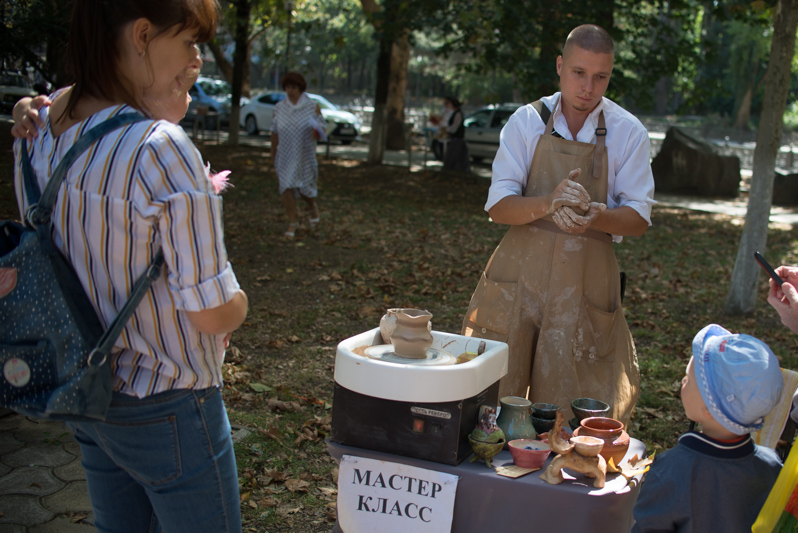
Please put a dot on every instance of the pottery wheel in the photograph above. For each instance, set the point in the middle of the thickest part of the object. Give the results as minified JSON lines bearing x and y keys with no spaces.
{"x":385,"y":352}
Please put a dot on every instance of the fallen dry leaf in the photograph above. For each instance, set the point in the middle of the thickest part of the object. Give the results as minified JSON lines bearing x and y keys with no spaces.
{"x":295,"y":485}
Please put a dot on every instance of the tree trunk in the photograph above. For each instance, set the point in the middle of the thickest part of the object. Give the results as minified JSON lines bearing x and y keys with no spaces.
{"x":397,"y":88}
{"x":379,"y":126}
{"x":240,"y":61}
{"x":227,"y":68}
{"x":743,"y":291}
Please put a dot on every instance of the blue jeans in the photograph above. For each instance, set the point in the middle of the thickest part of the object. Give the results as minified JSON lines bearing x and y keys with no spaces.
{"x":164,"y":461}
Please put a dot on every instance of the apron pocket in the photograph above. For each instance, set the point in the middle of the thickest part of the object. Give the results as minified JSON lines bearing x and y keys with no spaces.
{"x":491,"y":308}
{"x":596,"y":333}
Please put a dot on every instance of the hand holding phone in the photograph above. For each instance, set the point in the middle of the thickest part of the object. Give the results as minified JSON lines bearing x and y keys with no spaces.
{"x":764,"y":264}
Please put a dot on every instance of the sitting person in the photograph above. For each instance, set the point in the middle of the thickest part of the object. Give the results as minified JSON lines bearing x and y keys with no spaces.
{"x":716,"y":479}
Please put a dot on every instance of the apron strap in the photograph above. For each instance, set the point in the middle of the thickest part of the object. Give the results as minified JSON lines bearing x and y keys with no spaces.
{"x":598,"y":154}
{"x":601,"y":133}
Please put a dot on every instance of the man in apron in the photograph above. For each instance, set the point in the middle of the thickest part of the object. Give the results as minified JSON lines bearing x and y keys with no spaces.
{"x":568,"y":186}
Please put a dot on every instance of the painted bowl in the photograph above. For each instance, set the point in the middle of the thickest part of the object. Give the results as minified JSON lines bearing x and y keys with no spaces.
{"x":546,"y":411}
{"x":529,"y":453}
{"x":542,"y":425}
{"x":588,"y":407}
{"x":588,"y":446}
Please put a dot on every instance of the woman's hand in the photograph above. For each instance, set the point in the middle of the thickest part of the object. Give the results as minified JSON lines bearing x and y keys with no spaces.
{"x":27,"y":121}
{"x":784,"y":299}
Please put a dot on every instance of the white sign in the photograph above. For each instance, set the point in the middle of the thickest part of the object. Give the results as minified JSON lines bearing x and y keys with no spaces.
{"x":378,"y":496}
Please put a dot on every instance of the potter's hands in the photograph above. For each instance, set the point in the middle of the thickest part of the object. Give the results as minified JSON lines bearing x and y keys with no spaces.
{"x":784,"y":299}
{"x":569,"y":193}
{"x":27,"y":121}
{"x":568,"y":221}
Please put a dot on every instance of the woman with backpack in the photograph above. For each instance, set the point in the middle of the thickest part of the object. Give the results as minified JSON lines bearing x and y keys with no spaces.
{"x":163,"y":458}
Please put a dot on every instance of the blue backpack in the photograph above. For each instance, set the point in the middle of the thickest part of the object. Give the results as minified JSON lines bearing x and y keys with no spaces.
{"x":53,"y":347}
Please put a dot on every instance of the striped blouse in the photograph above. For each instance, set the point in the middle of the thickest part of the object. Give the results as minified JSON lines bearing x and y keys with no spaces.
{"x":140,"y":187}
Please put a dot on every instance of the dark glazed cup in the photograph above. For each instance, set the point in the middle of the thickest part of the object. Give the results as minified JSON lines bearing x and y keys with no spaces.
{"x":546,"y":411}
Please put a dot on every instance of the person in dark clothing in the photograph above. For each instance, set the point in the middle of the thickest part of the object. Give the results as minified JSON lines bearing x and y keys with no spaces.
{"x":455,"y":156}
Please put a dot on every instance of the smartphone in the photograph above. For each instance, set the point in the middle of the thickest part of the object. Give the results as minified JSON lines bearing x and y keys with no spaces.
{"x":764,"y":264}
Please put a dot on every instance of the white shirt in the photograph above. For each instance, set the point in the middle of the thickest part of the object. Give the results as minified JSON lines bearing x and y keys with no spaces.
{"x":630,"y":181}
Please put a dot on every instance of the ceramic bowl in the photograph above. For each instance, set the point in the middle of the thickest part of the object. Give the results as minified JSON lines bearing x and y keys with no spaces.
{"x":588,"y":407}
{"x":485,"y":451}
{"x":528,"y":453}
{"x":542,"y":425}
{"x":546,"y":411}
{"x":588,"y":446}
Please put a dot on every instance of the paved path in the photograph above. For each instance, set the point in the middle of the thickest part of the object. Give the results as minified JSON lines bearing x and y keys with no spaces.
{"x":42,"y":483}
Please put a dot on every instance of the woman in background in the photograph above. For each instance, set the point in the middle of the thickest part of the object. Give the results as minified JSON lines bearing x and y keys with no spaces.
{"x":455,"y":155}
{"x":294,"y":132}
{"x":163,"y":459}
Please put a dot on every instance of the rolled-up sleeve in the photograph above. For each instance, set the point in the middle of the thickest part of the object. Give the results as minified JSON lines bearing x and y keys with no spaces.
{"x":634,"y":182}
{"x":189,"y":220}
{"x":517,"y":143}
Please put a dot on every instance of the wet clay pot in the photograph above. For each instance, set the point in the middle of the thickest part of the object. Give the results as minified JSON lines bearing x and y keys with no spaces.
{"x":616,"y":440}
{"x":514,"y":418}
{"x":411,"y":335}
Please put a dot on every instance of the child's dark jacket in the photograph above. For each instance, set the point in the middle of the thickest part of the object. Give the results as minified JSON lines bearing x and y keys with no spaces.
{"x":704,"y":485}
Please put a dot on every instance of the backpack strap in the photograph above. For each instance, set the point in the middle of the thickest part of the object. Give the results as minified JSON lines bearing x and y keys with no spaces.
{"x":39,"y":214}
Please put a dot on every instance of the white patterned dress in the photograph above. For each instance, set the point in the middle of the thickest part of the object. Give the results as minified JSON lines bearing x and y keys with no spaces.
{"x":295,"y":159}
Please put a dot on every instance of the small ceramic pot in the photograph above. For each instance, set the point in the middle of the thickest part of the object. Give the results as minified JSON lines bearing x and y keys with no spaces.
{"x":541,"y":425}
{"x":413,"y":332}
{"x":514,"y":418}
{"x":485,"y":451}
{"x":388,"y":325}
{"x":546,"y":411}
{"x":587,"y":407}
{"x":609,"y":430}
{"x":529,"y":453}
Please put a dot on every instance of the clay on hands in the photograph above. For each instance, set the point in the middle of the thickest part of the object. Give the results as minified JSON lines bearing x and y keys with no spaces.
{"x":570,"y":193}
{"x":569,"y":221}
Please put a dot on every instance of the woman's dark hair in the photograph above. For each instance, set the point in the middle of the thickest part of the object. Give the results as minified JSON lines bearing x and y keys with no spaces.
{"x":294,"y":78}
{"x":454,"y":101}
{"x":93,"y":51}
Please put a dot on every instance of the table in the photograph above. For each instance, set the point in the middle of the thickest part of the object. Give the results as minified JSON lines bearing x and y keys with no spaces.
{"x":487,"y":502}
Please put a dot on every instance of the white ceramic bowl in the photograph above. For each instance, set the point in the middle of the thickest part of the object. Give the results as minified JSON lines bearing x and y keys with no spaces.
{"x":588,"y":446}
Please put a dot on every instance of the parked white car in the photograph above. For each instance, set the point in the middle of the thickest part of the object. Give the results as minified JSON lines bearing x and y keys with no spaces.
{"x":256,"y":116}
{"x":13,"y":86}
{"x":482,"y":129}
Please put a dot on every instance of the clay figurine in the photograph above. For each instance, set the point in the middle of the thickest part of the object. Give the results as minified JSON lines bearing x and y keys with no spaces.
{"x":487,"y":439}
{"x":592,"y":466}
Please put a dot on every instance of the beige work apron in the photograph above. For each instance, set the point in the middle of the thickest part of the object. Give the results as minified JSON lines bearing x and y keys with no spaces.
{"x":554,"y":298}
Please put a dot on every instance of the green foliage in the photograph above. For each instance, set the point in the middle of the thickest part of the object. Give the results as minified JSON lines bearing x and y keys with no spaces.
{"x":791,"y":117}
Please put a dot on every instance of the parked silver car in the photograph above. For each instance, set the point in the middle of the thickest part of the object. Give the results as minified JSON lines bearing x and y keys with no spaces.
{"x":482,"y":129}
{"x":257,"y":115}
{"x":213,"y":95}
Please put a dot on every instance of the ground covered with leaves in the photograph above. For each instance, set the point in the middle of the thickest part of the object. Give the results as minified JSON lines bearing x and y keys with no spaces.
{"x":391,"y":238}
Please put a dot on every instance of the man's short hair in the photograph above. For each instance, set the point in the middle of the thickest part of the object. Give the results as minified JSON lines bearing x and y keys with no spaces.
{"x":591,"y":38}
